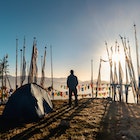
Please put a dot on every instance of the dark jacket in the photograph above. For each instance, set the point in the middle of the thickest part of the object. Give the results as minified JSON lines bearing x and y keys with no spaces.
{"x":72,"y":81}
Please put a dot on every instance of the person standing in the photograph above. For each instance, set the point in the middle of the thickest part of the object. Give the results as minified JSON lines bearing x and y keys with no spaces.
{"x":72,"y":83}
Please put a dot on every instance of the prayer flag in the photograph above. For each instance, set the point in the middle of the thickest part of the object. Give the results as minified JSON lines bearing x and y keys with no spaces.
{"x":43,"y":68}
{"x":32,"y":78}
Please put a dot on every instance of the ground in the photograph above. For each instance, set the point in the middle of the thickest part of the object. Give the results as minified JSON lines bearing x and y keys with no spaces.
{"x":92,"y":119}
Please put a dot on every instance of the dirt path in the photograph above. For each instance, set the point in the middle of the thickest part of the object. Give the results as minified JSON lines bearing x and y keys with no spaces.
{"x":93,"y":119}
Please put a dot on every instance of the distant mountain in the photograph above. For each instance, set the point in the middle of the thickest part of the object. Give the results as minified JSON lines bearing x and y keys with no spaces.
{"x":57,"y":82}
{"x":10,"y":82}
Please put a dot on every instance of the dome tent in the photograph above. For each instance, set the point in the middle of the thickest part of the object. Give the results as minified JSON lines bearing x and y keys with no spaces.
{"x":29,"y":102}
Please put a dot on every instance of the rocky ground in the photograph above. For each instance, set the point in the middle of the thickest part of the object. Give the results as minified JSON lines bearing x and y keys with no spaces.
{"x":92,"y":119}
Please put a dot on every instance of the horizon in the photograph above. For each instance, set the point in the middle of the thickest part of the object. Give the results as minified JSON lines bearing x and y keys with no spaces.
{"x":18,"y":76}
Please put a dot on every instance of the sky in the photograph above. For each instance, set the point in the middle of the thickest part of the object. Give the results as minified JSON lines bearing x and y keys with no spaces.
{"x":76,"y":30}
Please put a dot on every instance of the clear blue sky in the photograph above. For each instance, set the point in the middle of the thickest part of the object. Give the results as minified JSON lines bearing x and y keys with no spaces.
{"x":76,"y":29}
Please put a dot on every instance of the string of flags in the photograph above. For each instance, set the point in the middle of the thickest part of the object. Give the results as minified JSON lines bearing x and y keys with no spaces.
{"x":65,"y":94}
{"x":103,"y":90}
{"x":85,"y":87}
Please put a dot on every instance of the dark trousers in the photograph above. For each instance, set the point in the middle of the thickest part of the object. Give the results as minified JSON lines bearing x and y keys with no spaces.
{"x":70,"y":96}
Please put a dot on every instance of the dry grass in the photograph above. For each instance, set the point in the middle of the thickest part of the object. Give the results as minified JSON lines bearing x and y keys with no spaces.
{"x":93,"y":119}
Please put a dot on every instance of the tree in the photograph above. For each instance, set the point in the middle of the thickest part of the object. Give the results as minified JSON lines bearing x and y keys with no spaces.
{"x":3,"y":71}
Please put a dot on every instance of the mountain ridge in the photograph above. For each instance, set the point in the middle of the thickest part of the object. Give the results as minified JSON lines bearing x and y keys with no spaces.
{"x":48,"y":81}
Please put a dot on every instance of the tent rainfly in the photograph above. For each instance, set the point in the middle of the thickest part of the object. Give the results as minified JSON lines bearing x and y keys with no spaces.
{"x":29,"y":102}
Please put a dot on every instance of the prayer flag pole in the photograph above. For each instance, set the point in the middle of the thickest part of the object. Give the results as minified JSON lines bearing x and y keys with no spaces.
{"x":16,"y":86}
{"x":51,"y":71}
{"x":21,"y":67}
{"x":111,"y":73}
{"x":51,"y":67}
{"x":128,"y":60}
{"x":92,"y":78}
{"x":137,"y":55}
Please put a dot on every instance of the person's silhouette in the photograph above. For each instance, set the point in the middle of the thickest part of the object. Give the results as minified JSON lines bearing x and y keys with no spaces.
{"x":72,"y":83}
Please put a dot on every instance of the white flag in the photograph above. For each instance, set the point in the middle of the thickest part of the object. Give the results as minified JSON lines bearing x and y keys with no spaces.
{"x":43,"y":68}
{"x":23,"y":67}
{"x":33,"y":66}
